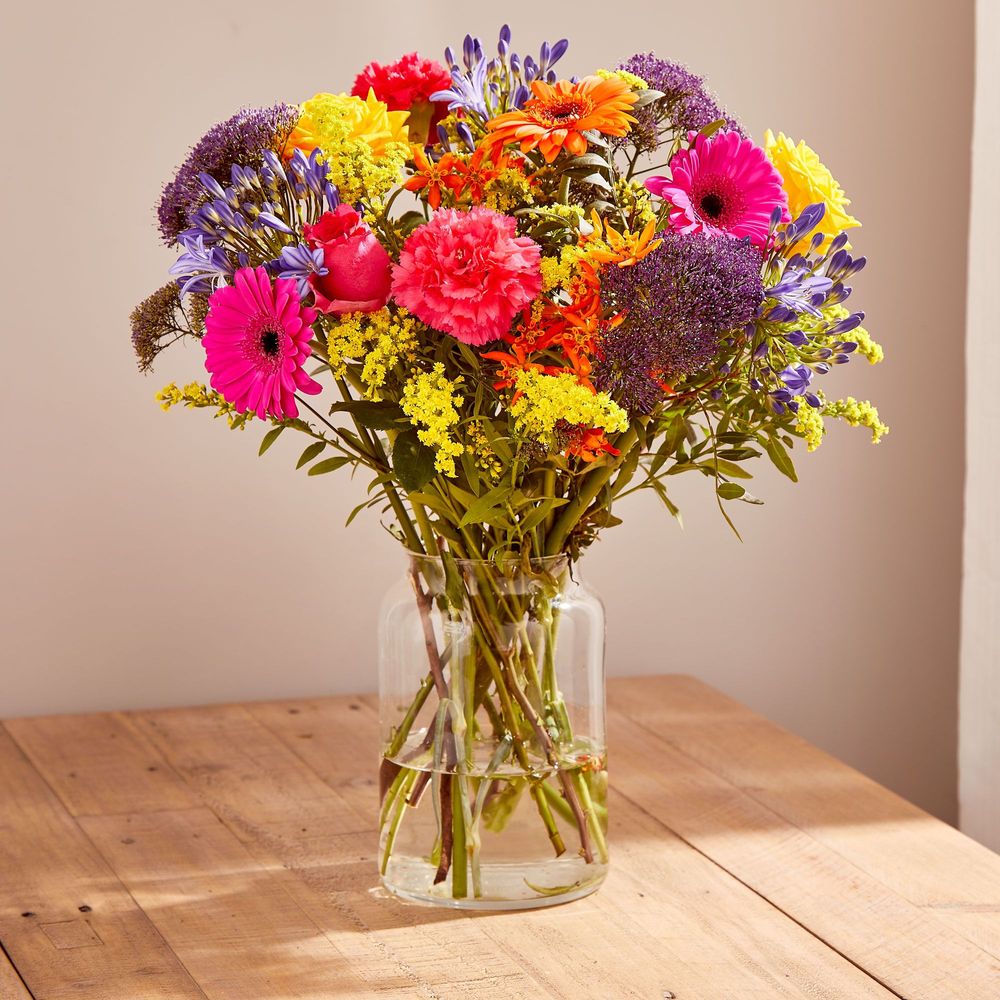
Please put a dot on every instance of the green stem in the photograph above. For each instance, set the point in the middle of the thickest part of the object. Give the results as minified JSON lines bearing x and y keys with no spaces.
{"x":592,"y":485}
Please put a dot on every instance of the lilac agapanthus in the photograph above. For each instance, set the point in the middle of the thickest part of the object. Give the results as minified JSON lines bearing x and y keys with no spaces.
{"x":684,"y":297}
{"x":202,"y":266}
{"x":253,"y":219}
{"x":800,"y":292}
{"x":241,"y":139}
{"x":299,"y":262}
{"x":479,"y":82}
{"x":686,"y":105}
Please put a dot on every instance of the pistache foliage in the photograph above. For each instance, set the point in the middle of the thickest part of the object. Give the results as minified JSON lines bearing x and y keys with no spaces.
{"x":515,"y":299}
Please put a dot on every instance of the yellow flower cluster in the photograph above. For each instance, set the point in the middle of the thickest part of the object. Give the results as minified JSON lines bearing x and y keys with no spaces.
{"x":510,"y":189}
{"x":479,"y":447}
{"x":364,"y":144}
{"x":629,"y":79}
{"x":810,"y":425}
{"x":544,"y":401}
{"x":198,"y":395}
{"x":383,"y":338}
{"x":558,"y":272}
{"x":857,"y":413}
{"x":807,"y":181}
{"x":431,"y":400}
{"x":635,"y":202}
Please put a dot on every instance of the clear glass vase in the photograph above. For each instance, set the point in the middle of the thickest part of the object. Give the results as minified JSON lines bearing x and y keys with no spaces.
{"x":493,"y":777}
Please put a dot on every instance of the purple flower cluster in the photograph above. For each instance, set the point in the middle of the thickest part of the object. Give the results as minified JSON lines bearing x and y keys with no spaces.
{"x":679,"y":302}
{"x":686,"y":103}
{"x":241,"y":139}
{"x":477,"y":84}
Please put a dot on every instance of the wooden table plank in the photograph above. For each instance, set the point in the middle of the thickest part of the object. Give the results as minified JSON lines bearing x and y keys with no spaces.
{"x":67,"y":923}
{"x":900,"y":944}
{"x":246,"y":834}
{"x":11,"y":986}
{"x":926,"y":861}
{"x":685,"y":898}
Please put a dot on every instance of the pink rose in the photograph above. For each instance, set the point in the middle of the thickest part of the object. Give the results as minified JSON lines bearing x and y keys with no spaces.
{"x":358,"y":266}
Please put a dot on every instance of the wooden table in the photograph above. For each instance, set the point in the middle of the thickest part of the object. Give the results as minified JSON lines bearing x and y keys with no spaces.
{"x":228,"y":853}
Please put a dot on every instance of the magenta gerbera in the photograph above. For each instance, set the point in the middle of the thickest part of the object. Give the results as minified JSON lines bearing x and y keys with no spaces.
{"x":256,"y":340}
{"x":722,"y":184}
{"x":468,"y":274}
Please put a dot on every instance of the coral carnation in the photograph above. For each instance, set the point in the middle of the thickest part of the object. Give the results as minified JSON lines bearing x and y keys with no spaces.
{"x":407,"y":85}
{"x":560,"y":113}
{"x":256,"y":342}
{"x":466,"y":273}
{"x":722,"y":184}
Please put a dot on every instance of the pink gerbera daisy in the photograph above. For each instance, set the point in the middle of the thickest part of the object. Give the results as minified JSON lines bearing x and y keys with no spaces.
{"x":467,"y":273}
{"x":256,"y":341}
{"x":723,"y":185}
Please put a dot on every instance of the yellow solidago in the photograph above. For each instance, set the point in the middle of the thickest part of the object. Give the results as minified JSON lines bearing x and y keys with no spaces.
{"x":508,"y":190}
{"x":542,"y":402}
{"x":633,"y":81}
{"x":857,"y":413}
{"x":364,"y":144}
{"x":807,"y":181}
{"x":558,"y":272}
{"x":382,"y":338}
{"x":431,"y":402}
{"x":479,"y":447}
{"x":809,"y":422}
{"x":197,"y":395}
{"x":635,"y":202}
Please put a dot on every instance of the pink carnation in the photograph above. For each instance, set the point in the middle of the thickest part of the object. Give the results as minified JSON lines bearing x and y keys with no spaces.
{"x":256,"y":342}
{"x":722,"y":185}
{"x":466,"y":273}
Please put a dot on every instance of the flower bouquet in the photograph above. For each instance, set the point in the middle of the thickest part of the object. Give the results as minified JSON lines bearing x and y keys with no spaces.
{"x":511,"y":299}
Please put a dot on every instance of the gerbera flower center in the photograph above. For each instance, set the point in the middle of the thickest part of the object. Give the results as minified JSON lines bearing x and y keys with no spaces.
{"x":270,"y":342}
{"x":712,"y":205}
{"x":719,"y":200}
{"x":563,"y":111}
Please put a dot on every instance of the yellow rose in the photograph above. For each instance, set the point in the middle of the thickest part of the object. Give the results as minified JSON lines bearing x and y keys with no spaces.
{"x":807,"y":181}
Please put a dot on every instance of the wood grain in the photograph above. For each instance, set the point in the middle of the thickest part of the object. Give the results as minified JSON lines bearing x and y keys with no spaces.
{"x":67,"y":923}
{"x":11,"y":986}
{"x":231,"y":850}
{"x":927,"y":862}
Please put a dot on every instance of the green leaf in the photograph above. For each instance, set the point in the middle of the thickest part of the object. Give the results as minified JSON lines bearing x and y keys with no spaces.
{"x":730,"y":491}
{"x":310,"y":452}
{"x":647,"y":97}
{"x":778,"y":454}
{"x":712,"y":127}
{"x":589,"y":160}
{"x":485,"y":505}
{"x":328,"y":465}
{"x":596,"y":180}
{"x":412,"y":461}
{"x":269,"y":438}
{"x":381,"y":416}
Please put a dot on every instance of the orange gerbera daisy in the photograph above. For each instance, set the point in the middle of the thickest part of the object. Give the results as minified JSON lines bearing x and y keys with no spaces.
{"x":559,"y":114}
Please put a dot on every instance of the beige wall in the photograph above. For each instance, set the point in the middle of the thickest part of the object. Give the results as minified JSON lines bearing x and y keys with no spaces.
{"x":152,"y":559}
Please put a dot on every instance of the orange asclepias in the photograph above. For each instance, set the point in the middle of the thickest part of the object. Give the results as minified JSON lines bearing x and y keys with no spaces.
{"x":559,"y":113}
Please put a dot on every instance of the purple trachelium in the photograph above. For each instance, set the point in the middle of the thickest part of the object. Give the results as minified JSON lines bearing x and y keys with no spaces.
{"x":686,"y":105}
{"x":162,"y":319}
{"x":684,"y":297}
{"x":241,"y":139}
{"x":486,"y":86}
{"x":627,"y":358}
